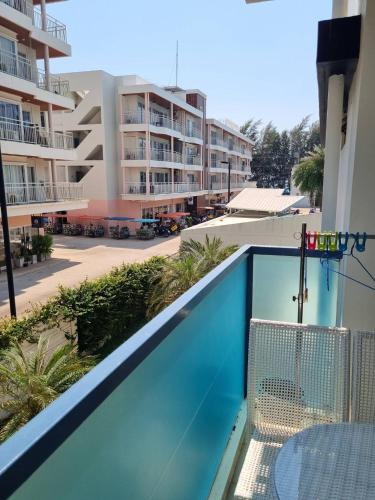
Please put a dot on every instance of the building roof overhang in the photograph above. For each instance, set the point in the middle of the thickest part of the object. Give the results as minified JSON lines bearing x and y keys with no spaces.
{"x":339,"y":42}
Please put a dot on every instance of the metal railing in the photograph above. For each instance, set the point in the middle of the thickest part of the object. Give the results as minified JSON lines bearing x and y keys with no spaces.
{"x":193,"y":160}
{"x":136,"y":117}
{"x":215,"y":141}
{"x":23,"y":6}
{"x":56,"y":84}
{"x":53,"y":27}
{"x":164,"y":155}
{"x":193,"y":131}
{"x":17,"y":131}
{"x":162,"y":187}
{"x":23,"y":193}
{"x":155,"y":119}
{"x":213,"y":186}
{"x":21,"y":67}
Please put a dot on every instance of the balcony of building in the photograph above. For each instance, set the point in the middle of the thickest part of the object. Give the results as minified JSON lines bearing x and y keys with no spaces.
{"x":165,"y":416}
{"x":22,"y":16}
{"x":137,"y":157}
{"x":161,"y":190}
{"x":161,"y":123}
{"x":28,"y":198}
{"x":25,"y":139}
{"x":31,"y":80}
{"x":222,"y":186}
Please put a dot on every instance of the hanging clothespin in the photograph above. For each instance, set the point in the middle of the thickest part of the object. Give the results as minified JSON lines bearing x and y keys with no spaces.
{"x":322,"y":242}
{"x":332,"y":242}
{"x":360,"y":242}
{"x":343,"y":241}
{"x":311,"y":240}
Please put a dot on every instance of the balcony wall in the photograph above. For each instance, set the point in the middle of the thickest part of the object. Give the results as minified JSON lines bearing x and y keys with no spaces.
{"x":154,"y":418}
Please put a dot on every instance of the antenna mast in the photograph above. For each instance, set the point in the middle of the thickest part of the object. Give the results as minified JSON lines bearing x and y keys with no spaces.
{"x":177,"y":64}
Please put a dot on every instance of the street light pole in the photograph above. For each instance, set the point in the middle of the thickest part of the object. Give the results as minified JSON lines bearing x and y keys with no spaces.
{"x":7,"y":249}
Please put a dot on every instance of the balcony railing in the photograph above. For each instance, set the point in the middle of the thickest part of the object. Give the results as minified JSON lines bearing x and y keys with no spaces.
{"x":163,"y":155}
{"x":193,"y":160}
{"x":216,"y":141}
{"x":167,"y":400}
{"x":193,"y":131}
{"x":24,"y":193}
{"x":17,"y":131}
{"x":155,"y":119}
{"x":21,"y":67}
{"x":23,"y":6}
{"x":162,"y":188}
{"x":56,"y":84}
{"x":53,"y":27}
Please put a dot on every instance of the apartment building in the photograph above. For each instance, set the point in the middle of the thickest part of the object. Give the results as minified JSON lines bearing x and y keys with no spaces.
{"x":226,"y":148}
{"x":141,"y":149}
{"x":29,"y":93}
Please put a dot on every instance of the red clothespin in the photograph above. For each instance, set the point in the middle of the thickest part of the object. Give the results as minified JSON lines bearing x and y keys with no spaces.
{"x":311,"y":240}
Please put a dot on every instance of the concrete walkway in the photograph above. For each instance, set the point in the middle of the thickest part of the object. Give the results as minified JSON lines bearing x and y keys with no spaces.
{"x":74,"y":259}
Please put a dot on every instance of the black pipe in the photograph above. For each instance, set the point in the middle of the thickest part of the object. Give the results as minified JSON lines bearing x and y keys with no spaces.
{"x":301,"y":293}
{"x":7,"y":249}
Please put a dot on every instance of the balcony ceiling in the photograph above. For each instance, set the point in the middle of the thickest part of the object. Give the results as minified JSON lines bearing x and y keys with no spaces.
{"x":32,"y":99}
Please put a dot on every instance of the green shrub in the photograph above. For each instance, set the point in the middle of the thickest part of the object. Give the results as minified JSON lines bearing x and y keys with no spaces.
{"x":106,"y":311}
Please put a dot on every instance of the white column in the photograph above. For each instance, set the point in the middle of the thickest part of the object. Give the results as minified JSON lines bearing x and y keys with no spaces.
{"x":148,"y":141}
{"x":332,"y":150}
{"x":339,"y":8}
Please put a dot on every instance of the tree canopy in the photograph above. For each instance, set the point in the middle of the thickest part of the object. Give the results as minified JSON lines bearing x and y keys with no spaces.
{"x":275,"y":153}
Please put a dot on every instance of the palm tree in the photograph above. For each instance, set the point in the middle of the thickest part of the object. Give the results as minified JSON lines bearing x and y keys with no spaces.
{"x":208,"y":254}
{"x":181,"y":273}
{"x":30,"y":382}
{"x":308,"y":175}
{"x":177,"y":276}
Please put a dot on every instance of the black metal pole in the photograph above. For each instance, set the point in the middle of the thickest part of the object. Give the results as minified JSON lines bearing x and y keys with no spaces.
{"x":7,"y":249}
{"x":229,"y":168}
{"x":301,"y":293}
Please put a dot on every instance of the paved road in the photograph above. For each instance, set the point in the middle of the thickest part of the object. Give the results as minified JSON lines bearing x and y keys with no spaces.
{"x":75,"y":259}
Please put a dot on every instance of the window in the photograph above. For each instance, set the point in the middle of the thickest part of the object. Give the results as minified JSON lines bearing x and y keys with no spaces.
{"x":14,"y":174}
{"x":162,"y":177}
{"x":7,"y":45}
{"x":42,"y":120}
{"x":140,"y":111}
{"x":26,"y":117}
{"x":9,"y":110}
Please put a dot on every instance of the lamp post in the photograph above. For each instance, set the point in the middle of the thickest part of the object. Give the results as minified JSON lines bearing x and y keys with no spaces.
{"x":229,"y":169}
{"x":7,"y":249}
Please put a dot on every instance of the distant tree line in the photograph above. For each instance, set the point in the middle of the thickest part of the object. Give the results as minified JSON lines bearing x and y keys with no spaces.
{"x":276,"y":153}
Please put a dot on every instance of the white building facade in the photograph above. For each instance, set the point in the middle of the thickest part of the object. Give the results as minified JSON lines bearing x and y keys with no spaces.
{"x":141,"y":149}
{"x":29,"y":93}
{"x":226,"y":148}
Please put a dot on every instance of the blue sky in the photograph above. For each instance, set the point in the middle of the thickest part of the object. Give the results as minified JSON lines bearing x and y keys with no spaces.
{"x":251,"y":60}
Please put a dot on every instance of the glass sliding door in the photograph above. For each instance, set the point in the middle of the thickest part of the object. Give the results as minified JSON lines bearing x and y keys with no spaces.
{"x":10,"y":125}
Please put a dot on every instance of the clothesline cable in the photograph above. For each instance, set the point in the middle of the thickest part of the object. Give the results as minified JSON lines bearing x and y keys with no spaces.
{"x":329,"y":269}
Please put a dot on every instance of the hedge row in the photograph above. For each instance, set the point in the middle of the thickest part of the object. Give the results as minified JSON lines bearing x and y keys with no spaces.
{"x":106,"y":311}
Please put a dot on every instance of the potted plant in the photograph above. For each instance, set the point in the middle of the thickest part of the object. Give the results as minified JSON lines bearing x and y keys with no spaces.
{"x":37,"y":245}
{"x":47,"y":246}
{"x":18,"y":257}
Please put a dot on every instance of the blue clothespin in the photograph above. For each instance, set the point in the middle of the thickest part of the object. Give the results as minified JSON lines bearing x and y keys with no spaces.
{"x":343,"y":241}
{"x":360,"y":246}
